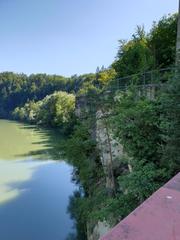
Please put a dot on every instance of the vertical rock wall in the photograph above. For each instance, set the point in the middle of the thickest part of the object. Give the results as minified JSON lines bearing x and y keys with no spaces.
{"x":110,"y":150}
{"x":110,"y":153}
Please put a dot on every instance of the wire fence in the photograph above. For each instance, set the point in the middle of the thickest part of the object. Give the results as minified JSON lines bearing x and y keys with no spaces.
{"x":151,"y":78}
{"x":147,"y":84}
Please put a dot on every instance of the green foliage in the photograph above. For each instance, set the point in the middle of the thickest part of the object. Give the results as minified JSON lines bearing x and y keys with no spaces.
{"x":148,"y":51}
{"x":28,"y":113}
{"x":104,"y":77}
{"x":81,"y":151}
{"x":142,"y":181}
{"x":133,"y":56}
{"x":55,"y":110}
{"x":136,"y":125}
{"x":170,"y":124}
{"x":87,"y":88}
{"x":94,"y":83}
{"x":17,"y":89}
{"x":162,"y":41}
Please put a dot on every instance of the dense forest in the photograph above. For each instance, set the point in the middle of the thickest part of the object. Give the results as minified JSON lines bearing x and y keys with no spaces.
{"x":147,"y":128}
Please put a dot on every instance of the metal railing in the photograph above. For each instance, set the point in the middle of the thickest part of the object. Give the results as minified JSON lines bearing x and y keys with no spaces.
{"x":146,"y":83}
{"x":150,"y":78}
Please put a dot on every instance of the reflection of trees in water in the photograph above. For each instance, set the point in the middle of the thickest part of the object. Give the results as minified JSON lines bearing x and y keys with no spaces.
{"x":50,"y":144}
{"x":53,"y":142}
{"x":75,"y":210}
{"x":72,"y":236}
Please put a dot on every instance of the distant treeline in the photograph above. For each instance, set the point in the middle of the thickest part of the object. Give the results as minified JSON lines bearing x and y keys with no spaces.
{"x":18,"y":89}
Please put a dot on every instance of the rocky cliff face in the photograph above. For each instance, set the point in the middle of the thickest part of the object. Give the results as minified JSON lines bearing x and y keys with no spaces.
{"x":99,"y":230}
{"x":110,"y":153}
{"x":110,"y":150}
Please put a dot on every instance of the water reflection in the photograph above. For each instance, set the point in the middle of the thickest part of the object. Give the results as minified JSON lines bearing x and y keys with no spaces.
{"x":12,"y":173}
{"x":34,"y":189}
{"x":20,"y":141}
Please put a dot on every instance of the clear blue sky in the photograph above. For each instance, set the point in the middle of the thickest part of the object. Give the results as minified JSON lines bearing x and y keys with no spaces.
{"x":70,"y":36}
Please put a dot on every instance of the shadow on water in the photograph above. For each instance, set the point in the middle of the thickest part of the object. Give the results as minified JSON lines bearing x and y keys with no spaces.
{"x":20,"y":140}
{"x":50,"y":143}
{"x":40,"y":210}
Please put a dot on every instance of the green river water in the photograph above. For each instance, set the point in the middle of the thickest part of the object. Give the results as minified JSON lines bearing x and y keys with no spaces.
{"x":35,"y":185}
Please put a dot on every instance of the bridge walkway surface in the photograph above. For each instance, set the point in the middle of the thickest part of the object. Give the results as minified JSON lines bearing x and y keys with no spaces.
{"x":158,"y":218}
